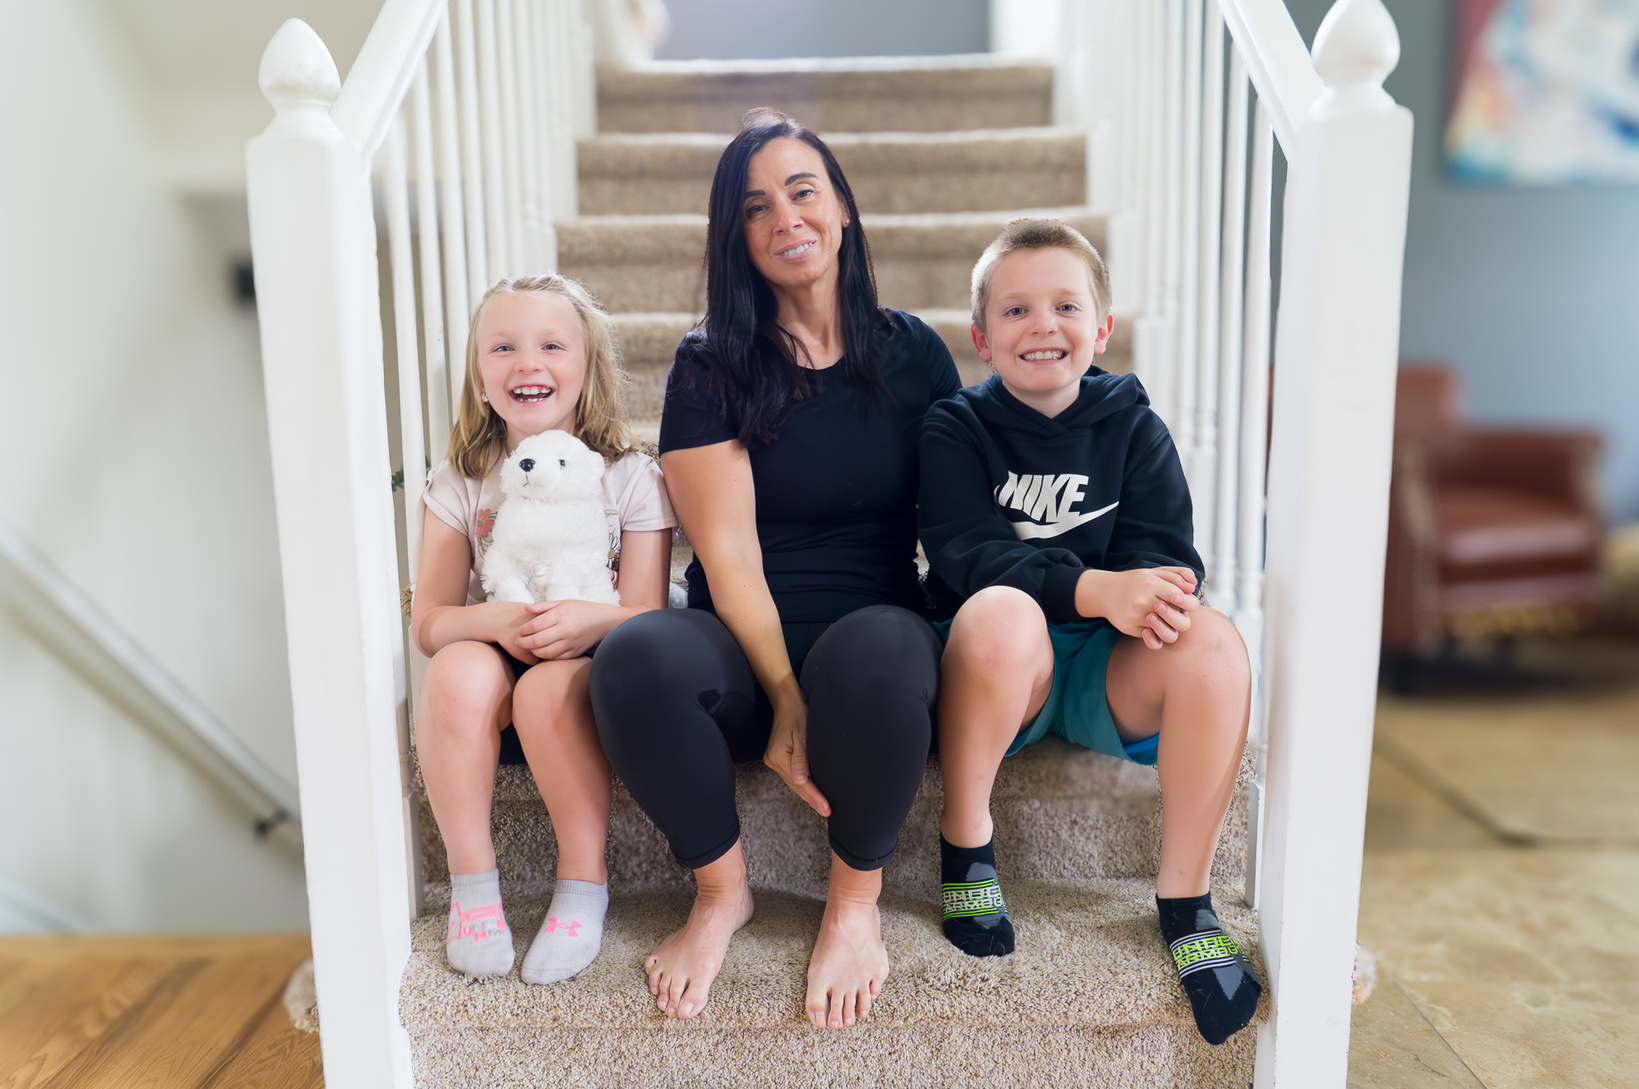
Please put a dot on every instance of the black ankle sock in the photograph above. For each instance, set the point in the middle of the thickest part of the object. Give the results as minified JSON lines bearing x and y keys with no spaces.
{"x":1221,"y":983}
{"x":976,"y":920}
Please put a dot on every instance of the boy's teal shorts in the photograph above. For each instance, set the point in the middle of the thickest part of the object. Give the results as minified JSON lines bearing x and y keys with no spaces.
{"x":1076,"y":709}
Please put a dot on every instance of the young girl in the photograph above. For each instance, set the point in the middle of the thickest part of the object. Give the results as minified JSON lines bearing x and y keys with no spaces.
{"x":540,"y":357}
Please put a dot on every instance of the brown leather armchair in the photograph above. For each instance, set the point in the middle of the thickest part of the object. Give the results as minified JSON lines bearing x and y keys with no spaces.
{"x":1492,"y":531}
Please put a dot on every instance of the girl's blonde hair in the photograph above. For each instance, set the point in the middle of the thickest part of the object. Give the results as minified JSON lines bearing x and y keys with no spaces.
{"x":478,"y":439}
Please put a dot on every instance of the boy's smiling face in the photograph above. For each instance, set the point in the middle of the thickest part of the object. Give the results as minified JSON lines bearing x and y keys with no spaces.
{"x":1043,"y":327}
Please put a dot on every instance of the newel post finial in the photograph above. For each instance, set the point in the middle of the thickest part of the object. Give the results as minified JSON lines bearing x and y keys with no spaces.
{"x":298,"y":74}
{"x":1356,"y":48}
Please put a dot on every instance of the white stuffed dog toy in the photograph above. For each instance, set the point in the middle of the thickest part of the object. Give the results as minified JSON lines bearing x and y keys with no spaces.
{"x":550,"y":541}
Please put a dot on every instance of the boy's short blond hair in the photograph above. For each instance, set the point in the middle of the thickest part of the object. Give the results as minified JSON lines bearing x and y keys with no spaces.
{"x":1039,"y":234}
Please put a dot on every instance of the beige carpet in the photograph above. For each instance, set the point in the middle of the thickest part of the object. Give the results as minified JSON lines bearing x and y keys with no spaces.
{"x":1088,"y":999}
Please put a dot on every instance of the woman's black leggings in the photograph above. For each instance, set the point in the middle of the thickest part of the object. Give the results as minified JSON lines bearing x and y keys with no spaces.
{"x":677,"y":706}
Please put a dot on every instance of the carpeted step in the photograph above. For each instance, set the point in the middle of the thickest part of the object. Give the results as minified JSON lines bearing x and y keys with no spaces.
{"x":899,"y":172}
{"x":655,"y":263}
{"x":1061,"y":812}
{"x":1089,"y":998}
{"x":928,"y":94}
{"x":649,"y":340}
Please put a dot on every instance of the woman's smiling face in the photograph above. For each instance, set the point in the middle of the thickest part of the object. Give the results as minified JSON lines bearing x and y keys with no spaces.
{"x":793,"y":218}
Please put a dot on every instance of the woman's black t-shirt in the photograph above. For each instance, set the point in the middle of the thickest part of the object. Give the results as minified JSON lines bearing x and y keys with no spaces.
{"x":836,"y":491}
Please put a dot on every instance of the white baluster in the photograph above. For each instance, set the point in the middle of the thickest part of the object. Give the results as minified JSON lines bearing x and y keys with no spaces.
{"x":455,"y":213}
{"x":1150,"y":355}
{"x":1172,"y":128}
{"x":434,"y":354}
{"x":411,"y":440}
{"x":494,"y":139}
{"x":573,"y":70}
{"x":1255,"y":383}
{"x":1249,"y":616}
{"x":472,"y":152}
{"x":1189,"y":248}
{"x":1205,"y":479}
{"x":511,"y":139}
{"x":1342,"y":252}
{"x":529,"y":159}
{"x":1224,"y":594}
{"x":313,"y":235}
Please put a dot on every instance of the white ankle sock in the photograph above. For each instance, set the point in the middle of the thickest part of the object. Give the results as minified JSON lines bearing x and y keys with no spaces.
{"x":571,"y":935}
{"x":478,"y":941}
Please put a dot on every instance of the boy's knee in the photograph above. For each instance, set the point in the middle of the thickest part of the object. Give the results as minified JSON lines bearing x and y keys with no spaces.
{"x":1217,"y":653}
{"x":999,"y":628}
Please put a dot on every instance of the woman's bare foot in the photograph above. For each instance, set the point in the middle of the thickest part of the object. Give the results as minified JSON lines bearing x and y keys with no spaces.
{"x":850,"y":963}
{"x":682,"y":968}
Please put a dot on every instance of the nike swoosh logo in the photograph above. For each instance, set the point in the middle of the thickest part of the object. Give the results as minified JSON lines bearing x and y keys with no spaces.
{"x":1028,"y":531}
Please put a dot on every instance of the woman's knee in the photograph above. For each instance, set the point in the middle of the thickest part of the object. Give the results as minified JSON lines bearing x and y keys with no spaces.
{"x":465,"y":689}
{"x":999,"y":631}
{"x":872,"y":647}
{"x":654,"y":664}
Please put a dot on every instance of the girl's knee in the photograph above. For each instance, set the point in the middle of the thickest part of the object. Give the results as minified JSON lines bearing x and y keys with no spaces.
{"x":465,"y":683}
{"x":549,"y":695}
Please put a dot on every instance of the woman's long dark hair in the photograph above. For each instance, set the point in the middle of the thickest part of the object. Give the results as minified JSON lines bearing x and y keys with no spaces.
{"x":756,"y":364}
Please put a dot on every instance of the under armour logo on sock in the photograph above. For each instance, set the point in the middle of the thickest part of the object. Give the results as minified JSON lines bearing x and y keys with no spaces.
{"x":554,"y":926}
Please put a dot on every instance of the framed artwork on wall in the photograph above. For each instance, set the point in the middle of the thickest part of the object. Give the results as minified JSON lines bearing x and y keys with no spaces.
{"x":1544,"y":92}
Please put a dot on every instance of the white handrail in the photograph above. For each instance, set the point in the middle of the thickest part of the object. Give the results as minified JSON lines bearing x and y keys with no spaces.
{"x":381,"y":75}
{"x":88,"y":641}
{"x":1277,"y":61}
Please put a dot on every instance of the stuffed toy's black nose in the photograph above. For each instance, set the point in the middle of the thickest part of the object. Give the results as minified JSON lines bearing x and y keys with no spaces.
{"x":527,"y":464}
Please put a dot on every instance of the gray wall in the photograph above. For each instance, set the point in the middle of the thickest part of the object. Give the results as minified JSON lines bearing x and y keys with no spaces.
{"x":736,"y":29}
{"x":1532,"y":293}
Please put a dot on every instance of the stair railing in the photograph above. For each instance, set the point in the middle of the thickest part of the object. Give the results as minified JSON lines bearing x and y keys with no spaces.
{"x":454,"y":139}
{"x":88,"y":641}
{"x":1291,"y":501}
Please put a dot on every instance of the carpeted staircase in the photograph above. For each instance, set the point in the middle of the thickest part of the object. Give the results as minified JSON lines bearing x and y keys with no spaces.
{"x":1089,"y":998}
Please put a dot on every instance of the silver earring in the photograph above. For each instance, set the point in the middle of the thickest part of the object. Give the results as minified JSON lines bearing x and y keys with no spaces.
{"x":484,"y":397}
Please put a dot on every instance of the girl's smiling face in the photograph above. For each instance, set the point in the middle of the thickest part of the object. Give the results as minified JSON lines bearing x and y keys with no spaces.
{"x":532,"y":358}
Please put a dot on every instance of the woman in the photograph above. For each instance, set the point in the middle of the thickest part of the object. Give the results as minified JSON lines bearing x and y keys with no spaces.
{"x":789,"y":445}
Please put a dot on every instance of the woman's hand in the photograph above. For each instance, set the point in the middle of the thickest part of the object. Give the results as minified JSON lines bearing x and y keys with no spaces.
{"x":1148,"y":603}
{"x":788,"y":752}
{"x":566,"y":629}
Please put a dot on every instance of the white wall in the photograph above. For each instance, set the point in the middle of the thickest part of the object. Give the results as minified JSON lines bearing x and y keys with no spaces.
{"x":133,"y":430}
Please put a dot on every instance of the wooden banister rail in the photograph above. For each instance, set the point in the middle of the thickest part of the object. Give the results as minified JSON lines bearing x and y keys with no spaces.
{"x":1276,"y":60}
{"x":380,"y":77}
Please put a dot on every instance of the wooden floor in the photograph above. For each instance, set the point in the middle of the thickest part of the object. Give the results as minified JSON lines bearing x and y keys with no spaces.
{"x":152,"y":1012}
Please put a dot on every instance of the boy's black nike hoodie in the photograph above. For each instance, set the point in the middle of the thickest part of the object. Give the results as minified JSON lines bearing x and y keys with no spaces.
{"x":1010,"y":497}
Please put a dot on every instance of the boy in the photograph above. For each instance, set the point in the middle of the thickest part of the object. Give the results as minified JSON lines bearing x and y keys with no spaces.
{"x":1053,"y":502}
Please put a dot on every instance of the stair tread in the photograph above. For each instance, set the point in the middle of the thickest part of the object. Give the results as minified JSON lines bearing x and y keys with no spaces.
{"x":839,"y":140}
{"x":1053,"y":768}
{"x":944,"y":62}
{"x":1089,"y":953}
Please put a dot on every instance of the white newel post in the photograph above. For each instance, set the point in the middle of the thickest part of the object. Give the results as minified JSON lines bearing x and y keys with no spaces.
{"x":313,"y":236}
{"x":1336,"y":348}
